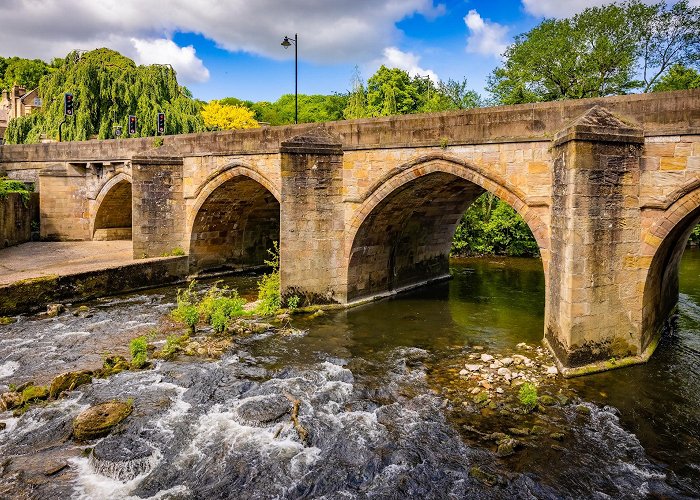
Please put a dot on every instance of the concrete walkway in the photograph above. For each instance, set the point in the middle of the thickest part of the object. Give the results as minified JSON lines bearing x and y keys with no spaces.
{"x":35,"y":259}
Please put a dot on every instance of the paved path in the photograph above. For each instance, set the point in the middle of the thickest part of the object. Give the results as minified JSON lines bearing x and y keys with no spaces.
{"x":31,"y":260}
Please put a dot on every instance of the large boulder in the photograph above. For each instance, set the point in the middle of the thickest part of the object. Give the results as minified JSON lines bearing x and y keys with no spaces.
{"x":122,"y":457}
{"x":99,"y":420}
{"x":261,"y":411}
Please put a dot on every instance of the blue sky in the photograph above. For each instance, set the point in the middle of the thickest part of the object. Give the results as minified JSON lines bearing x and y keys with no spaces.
{"x":223,"y":48}
{"x":439,"y":42}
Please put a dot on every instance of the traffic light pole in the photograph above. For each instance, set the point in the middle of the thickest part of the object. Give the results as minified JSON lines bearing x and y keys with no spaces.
{"x":60,"y":127}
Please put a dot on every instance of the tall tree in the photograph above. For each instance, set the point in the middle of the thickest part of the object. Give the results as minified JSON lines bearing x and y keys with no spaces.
{"x":23,"y":72}
{"x":668,"y":37}
{"x":678,"y":78}
{"x":357,"y":100}
{"x":390,"y":91}
{"x":107,"y":87}
{"x":589,"y":55}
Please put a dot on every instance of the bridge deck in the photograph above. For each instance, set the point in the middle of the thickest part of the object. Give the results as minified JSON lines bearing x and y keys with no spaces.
{"x":37,"y":259}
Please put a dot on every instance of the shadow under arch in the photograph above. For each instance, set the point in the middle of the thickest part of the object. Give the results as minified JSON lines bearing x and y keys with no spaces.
{"x":402,"y":233}
{"x":672,"y":231}
{"x":234,"y":221}
{"x":113,"y":217}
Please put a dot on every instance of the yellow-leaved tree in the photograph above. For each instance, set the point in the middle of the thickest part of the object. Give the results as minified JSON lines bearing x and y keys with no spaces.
{"x":219,"y":116}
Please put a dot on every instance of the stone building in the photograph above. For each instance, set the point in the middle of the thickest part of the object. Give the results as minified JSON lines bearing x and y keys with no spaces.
{"x":16,"y":102}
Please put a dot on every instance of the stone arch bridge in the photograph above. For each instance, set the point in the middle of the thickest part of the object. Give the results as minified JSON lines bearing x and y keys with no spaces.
{"x":609,"y":187}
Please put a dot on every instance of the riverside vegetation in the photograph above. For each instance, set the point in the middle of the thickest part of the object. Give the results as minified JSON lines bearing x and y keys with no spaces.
{"x":219,"y":314}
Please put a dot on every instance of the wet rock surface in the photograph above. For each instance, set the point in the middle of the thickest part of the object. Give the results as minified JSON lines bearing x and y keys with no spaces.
{"x":99,"y":420}
{"x":263,"y":410}
{"x":122,"y":457}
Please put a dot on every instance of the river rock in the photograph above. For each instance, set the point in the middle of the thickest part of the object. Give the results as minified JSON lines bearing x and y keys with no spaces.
{"x":34,"y":393}
{"x":519,"y":431}
{"x":122,"y":457}
{"x":485,"y":384}
{"x":473,"y":368}
{"x":522,"y":345}
{"x":478,"y":348}
{"x":463,"y":372}
{"x":99,"y":420}
{"x":113,"y":365}
{"x":261,"y":411}
{"x":504,"y":372}
{"x":506,"y":361}
{"x":506,"y":447}
{"x":496,"y":364}
{"x":10,"y":400}
{"x":547,"y":400}
{"x":69,"y":381}
{"x":53,"y":310}
{"x":3,"y":426}
{"x":499,"y":390}
{"x":486,"y":358}
{"x":475,"y":390}
{"x":552,"y":370}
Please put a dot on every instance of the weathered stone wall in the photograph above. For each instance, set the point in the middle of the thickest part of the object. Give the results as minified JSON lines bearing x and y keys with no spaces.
{"x":34,"y":294}
{"x":595,"y":227}
{"x":312,"y":232}
{"x":16,"y":217}
{"x":158,"y":225}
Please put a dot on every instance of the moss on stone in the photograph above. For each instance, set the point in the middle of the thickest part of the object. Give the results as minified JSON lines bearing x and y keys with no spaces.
{"x":99,"y":420}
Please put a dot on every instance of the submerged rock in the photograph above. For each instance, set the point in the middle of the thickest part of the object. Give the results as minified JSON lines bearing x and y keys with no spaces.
{"x":69,"y":381}
{"x":261,"y":411}
{"x":122,"y":457}
{"x":506,"y":447}
{"x":99,"y":420}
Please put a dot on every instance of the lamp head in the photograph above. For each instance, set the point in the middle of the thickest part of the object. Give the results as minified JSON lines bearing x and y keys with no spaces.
{"x":286,"y":43}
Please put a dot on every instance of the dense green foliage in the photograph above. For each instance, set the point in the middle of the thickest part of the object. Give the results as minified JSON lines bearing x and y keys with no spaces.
{"x":12,"y":186}
{"x":23,"y":72}
{"x":312,"y":108}
{"x":600,"y":51}
{"x":491,"y":226}
{"x":678,"y":77}
{"x":107,"y":88}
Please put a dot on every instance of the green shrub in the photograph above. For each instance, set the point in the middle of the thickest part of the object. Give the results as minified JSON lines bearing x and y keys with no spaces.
{"x":528,"y":395}
{"x":13,"y":186}
{"x":293,"y":302}
{"x":139,"y":352}
{"x":269,"y":285}
{"x":173,"y":345}
{"x":219,"y":305}
{"x":186,"y":311}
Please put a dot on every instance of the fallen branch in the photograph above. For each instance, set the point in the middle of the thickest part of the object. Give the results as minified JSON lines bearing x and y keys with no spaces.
{"x":301,"y":431}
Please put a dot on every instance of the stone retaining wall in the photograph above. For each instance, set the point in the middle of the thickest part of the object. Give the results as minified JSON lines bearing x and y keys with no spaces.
{"x":16,"y":216}
{"x":34,"y":294}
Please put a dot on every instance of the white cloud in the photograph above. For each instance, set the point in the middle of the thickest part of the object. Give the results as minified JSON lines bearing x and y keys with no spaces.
{"x":567,"y":8}
{"x":485,"y":37}
{"x":163,"y":51}
{"x":329,"y":30}
{"x":407,"y":61}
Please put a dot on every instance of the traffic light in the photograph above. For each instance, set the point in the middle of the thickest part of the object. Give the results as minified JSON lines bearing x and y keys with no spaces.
{"x":161,"y":123}
{"x":68,"y":104}
{"x":132,"y":124}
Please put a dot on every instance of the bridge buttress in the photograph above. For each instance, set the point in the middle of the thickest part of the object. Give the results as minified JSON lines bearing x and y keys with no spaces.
{"x":593,"y":311}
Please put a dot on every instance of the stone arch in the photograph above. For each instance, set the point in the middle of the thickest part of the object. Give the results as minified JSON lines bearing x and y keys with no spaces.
{"x":234,"y":220}
{"x":664,"y":244}
{"x":402,"y":232}
{"x":113,"y":212}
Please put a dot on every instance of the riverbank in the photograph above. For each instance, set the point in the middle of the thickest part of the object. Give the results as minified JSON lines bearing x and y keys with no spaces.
{"x":36,"y":274}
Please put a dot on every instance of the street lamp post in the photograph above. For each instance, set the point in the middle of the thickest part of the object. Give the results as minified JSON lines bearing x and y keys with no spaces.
{"x":286,"y":43}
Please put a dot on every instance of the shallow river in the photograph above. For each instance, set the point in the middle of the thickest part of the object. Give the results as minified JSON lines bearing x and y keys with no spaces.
{"x":380,"y":396}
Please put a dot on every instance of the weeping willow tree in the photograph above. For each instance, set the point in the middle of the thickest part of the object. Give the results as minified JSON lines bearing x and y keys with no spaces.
{"x":107,"y":87}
